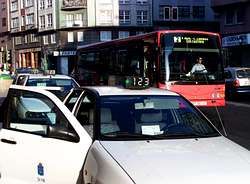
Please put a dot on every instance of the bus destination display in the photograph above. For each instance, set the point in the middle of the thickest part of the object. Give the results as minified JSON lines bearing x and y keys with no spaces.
{"x":193,"y":40}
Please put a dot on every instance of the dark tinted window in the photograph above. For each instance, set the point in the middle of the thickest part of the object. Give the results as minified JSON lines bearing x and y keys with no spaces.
{"x":244,"y":73}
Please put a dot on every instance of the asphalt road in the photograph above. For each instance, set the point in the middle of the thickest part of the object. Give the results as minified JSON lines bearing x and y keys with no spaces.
{"x":235,"y":117}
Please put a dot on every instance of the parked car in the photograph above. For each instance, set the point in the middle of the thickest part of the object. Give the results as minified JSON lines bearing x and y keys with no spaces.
{"x":121,"y":136}
{"x":237,"y":81}
{"x":58,"y":84}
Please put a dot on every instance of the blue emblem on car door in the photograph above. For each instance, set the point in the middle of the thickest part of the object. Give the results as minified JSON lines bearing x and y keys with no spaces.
{"x":40,"y":169}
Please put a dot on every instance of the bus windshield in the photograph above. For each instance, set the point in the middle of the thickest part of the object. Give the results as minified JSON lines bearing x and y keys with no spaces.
{"x":188,"y":58}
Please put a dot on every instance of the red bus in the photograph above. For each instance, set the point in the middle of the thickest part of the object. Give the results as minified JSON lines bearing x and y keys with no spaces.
{"x":165,"y":57}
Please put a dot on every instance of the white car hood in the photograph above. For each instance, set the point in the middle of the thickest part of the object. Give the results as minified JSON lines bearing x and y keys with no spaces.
{"x":193,"y":161}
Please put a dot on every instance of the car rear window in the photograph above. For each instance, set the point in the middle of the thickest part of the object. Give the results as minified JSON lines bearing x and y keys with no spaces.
{"x":244,"y":73}
{"x":51,"y":82}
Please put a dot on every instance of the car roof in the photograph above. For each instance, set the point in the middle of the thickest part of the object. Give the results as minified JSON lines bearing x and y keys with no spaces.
{"x":42,"y":76}
{"x":117,"y":90}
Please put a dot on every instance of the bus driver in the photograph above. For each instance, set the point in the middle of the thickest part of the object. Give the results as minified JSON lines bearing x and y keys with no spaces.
{"x":199,"y":67}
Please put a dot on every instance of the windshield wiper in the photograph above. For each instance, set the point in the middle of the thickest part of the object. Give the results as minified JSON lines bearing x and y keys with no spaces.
{"x":125,"y":134}
{"x":120,"y":134}
{"x":188,"y":135}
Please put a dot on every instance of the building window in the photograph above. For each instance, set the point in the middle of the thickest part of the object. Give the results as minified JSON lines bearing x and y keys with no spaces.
{"x":78,"y":19}
{"x":42,"y":4}
{"x":69,"y":20}
{"x":45,"y":40}
{"x":42,"y":21}
{"x":124,"y":16}
{"x":105,"y":16}
{"x":80,"y":36}
{"x":3,"y":6}
{"x":23,"y":21}
{"x":229,"y":17}
{"x":33,"y":38}
{"x":240,"y":15}
{"x":124,"y":1}
{"x":26,"y":40}
{"x":141,"y":1}
{"x":123,"y":34}
{"x":30,"y":19}
{"x":49,"y":20}
{"x":22,"y":3}
{"x":184,"y":11}
{"x":199,"y":12}
{"x":29,"y":3}
{"x":70,"y":37}
{"x":105,"y":35}
{"x":4,"y":22}
{"x":166,"y":13}
{"x":15,"y":22}
{"x":14,"y":6}
{"x":174,"y":13}
{"x":53,"y":38}
{"x":142,"y":16}
{"x":49,"y":3}
{"x":18,"y":40}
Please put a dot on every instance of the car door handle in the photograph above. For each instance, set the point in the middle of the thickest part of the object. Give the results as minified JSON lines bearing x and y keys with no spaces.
{"x":8,"y":141}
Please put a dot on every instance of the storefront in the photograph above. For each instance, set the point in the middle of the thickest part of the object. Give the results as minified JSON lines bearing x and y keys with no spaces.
{"x":29,"y":58}
{"x":62,"y":62}
{"x":237,"y":50}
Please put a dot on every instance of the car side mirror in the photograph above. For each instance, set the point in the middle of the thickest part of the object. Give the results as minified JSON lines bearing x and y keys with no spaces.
{"x":58,"y":132}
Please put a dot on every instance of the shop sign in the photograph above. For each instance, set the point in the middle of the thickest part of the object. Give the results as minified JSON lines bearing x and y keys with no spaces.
{"x":64,"y":53}
{"x":236,"y":40}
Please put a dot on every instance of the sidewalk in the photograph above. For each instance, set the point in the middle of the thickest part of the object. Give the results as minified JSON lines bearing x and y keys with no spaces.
{"x":4,"y":86}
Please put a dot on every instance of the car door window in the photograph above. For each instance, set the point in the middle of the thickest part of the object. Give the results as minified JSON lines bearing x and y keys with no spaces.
{"x":33,"y":112}
{"x":85,"y":113}
{"x":72,"y":99}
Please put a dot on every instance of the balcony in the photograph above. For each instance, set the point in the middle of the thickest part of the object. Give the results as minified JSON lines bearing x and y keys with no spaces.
{"x":74,"y":23}
{"x":217,"y":3}
{"x":74,"y":4}
{"x":30,"y":26}
{"x":14,"y":30}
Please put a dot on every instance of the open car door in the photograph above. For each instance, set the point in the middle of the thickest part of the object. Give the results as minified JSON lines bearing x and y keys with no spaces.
{"x":40,"y":141}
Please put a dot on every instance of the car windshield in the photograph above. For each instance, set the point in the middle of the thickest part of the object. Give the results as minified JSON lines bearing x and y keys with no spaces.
{"x":67,"y":84}
{"x":151,"y":117}
{"x":244,"y":73}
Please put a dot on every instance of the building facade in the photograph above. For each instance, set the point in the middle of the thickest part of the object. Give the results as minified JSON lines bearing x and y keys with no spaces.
{"x":5,"y":41}
{"x":235,"y":30}
{"x":184,"y":14}
{"x":81,"y":22}
{"x":23,"y":32}
{"x":46,"y":33}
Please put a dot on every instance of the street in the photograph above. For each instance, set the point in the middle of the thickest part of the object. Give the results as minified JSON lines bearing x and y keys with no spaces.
{"x":237,"y":123}
{"x":235,"y":116}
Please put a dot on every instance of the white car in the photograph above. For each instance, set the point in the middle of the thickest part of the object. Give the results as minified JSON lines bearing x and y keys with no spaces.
{"x":237,"y":81}
{"x":121,"y":136}
{"x":60,"y":85}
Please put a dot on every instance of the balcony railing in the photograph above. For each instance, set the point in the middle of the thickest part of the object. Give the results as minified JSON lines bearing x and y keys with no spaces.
{"x":74,"y":4}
